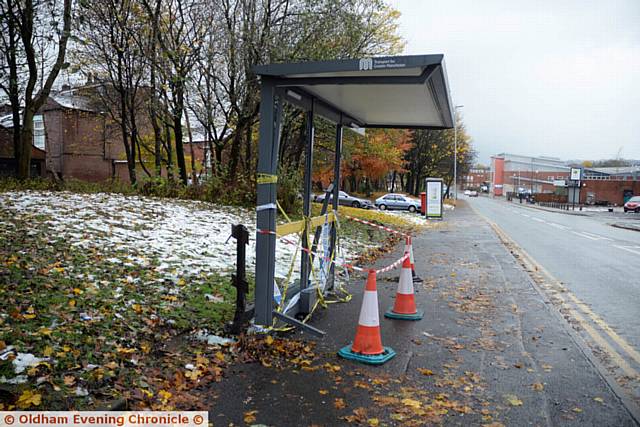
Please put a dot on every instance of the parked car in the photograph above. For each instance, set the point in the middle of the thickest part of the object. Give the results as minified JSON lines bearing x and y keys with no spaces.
{"x":633,"y":204}
{"x":473,"y":193}
{"x":397,"y":201}
{"x":467,"y":192}
{"x":347,"y":200}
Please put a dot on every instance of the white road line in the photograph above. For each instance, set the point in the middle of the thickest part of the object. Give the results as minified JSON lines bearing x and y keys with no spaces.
{"x":538,"y":219}
{"x":526,"y":215}
{"x":628,"y":249}
{"x":561,"y":227}
{"x":597,"y":236}
{"x":584,"y":235}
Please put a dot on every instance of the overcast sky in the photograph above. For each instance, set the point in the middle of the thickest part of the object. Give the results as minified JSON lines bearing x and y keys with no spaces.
{"x":547,"y":77}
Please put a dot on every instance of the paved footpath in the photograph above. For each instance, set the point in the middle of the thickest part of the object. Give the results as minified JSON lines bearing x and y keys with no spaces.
{"x":489,"y":351}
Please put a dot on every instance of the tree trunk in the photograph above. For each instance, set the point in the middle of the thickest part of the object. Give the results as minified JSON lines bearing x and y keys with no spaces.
{"x":235,"y":153}
{"x":177,"y":130}
{"x":194,"y":178}
{"x":23,"y":158}
{"x":167,"y":133}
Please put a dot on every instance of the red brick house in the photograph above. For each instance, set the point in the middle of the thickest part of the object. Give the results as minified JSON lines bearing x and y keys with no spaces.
{"x":7,"y":158}
{"x":75,"y":138}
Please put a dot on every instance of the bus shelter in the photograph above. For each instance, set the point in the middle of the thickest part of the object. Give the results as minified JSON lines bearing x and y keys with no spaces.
{"x":380,"y":92}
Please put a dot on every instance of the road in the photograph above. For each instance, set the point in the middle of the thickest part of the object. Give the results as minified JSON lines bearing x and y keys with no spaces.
{"x":596,"y":263}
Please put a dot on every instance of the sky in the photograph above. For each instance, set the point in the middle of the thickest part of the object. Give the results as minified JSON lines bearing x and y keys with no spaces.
{"x":556,"y":78}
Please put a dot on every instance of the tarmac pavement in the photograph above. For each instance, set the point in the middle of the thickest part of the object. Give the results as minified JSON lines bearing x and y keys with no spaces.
{"x":490,"y":350}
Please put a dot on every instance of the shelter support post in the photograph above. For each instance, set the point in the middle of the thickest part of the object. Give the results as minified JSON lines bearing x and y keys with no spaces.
{"x":307,"y":299}
{"x":336,"y":192}
{"x":268,"y":147}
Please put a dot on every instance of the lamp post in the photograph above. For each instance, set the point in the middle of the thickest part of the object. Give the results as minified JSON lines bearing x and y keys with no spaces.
{"x":455,"y":152}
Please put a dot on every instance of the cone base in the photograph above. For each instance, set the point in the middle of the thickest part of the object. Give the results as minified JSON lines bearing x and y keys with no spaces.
{"x":390,"y":314}
{"x":369,"y":359}
{"x":417,"y":279}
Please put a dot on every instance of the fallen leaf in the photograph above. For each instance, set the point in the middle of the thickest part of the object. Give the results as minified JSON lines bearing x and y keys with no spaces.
{"x":29,"y":398}
{"x":373,"y":422}
{"x":598,"y":399}
{"x":69,"y":380}
{"x":577,"y":410}
{"x":268,"y":340}
{"x":537,"y":386}
{"x":425,"y":371}
{"x":323,"y":392}
{"x":250,"y":417}
{"x":164,"y":396}
{"x":513,"y":400}
{"x":411,"y":402}
{"x":338,"y":403}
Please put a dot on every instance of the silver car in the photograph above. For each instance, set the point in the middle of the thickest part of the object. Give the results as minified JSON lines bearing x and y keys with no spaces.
{"x":397,"y":201}
{"x":346,"y":200}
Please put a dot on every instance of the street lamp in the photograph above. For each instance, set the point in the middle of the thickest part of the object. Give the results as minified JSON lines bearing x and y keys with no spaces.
{"x":455,"y":151}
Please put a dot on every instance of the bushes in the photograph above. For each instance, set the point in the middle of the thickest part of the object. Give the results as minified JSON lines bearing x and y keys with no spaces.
{"x":289,"y":185}
{"x":213,"y":189}
{"x":74,"y":185}
{"x":241,"y":192}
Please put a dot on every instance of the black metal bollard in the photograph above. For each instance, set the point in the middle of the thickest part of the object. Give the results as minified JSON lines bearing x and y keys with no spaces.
{"x":239,"y":279}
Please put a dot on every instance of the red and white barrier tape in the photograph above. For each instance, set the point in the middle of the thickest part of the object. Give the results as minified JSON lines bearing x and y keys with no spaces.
{"x":390,"y":267}
{"x":394,"y":265}
{"x":382,"y":227}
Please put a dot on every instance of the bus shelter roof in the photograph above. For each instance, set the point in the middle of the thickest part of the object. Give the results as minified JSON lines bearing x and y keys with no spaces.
{"x":389,"y":92}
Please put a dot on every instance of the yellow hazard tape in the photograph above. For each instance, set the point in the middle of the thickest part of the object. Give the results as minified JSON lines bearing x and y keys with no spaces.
{"x":298,"y":226}
{"x":265,"y":178}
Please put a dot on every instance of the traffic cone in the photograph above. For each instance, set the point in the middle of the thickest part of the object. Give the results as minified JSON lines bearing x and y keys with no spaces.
{"x":414,"y":276}
{"x":405,"y":306}
{"x":367,"y":346}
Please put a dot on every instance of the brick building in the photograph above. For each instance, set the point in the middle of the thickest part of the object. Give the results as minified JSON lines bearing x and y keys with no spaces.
{"x":75,"y":138}
{"x":477,"y":177}
{"x":7,"y":157}
{"x":516,"y":173}
{"x":511,"y":173}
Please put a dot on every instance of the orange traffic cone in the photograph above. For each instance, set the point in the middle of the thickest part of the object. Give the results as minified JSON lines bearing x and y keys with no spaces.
{"x":414,"y":276}
{"x":405,"y":306}
{"x":367,"y":346}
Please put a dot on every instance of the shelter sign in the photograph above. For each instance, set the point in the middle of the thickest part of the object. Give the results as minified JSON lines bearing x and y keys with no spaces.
{"x":434,"y":198}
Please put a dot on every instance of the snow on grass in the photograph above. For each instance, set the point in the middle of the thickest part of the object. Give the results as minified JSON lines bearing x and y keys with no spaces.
{"x":185,"y":237}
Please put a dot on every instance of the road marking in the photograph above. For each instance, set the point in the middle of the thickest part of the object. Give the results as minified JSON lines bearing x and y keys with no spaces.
{"x":597,"y":236}
{"x":603,"y":343}
{"x":635,"y":355}
{"x":561,"y":227}
{"x":538,"y":219}
{"x":584,"y":235}
{"x":597,"y":338}
{"x":629,"y":249}
{"x":526,"y":215}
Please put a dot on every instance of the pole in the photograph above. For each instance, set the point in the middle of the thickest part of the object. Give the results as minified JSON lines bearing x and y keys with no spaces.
{"x":334,"y":201}
{"x":305,"y":259}
{"x":455,"y":151}
{"x":239,"y":279}
{"x":531,"y":180}
{"x":268,"y":148}
{"x":455,"y":156}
